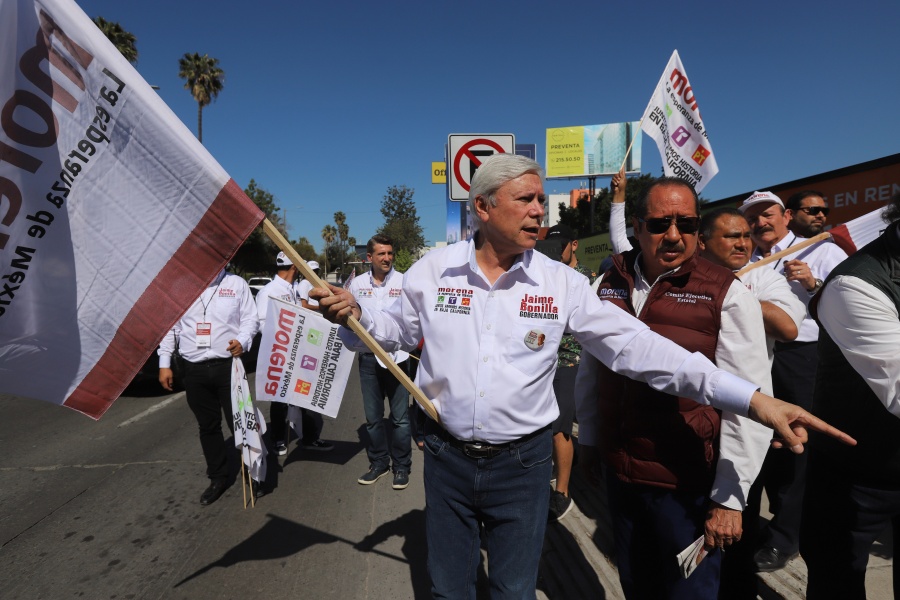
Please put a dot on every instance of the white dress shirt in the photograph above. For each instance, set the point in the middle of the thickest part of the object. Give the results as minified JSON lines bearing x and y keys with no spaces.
{"x":227,"y":305}
{"x":769,"y":286}
{"x":303,"y":287}
{"x":490,"y":351}
{"x":279,"y":289}
{"x":618,"y":233}
{"x":374,"y":296}
{"x":863,"y":322}
{"x":740,"y":349}
{"x":821,"y":258}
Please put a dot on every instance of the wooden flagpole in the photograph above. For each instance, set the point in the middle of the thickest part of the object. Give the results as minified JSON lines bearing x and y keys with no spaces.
{"x":244,"y":480}
{"x":786,"y":252}
{"x":627,"y":152}
{"x":352,"y":323}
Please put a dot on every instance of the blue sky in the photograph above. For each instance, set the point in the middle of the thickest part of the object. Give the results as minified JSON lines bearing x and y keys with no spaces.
{"x":327,"y":104}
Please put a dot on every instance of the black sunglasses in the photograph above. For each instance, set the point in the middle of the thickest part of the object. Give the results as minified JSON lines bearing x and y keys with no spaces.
{"x":815,"y":210}
{"x":684,"y":224}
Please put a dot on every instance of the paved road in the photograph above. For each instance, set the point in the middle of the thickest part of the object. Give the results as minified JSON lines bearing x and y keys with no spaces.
{"x":110,"y":509}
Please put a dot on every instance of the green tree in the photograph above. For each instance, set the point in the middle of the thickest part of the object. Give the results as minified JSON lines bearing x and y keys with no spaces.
{"x":401,"y":222}
{"x":343,"y":232}
{"x":579,"y":217}
{"x":124,"y":41}
{"x":204,"y":79}
{"x":329,"y":234}
{"x":257,"y":254}
{"x":305,"y":249}
{"x":403,"y":260}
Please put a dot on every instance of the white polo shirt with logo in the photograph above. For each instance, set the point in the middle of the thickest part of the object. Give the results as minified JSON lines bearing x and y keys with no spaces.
{"x":371,"y":295}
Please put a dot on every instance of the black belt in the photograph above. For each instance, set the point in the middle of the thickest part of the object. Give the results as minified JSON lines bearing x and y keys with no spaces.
{"x":212,"y":362}
{"x":478,"y":449}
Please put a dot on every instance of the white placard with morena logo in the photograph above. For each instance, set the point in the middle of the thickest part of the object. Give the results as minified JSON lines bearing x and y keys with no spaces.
{"x":302,"y":361}
{"x":466,"y":153}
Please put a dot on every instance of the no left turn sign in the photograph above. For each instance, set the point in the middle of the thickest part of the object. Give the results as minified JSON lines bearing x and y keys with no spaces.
{"x":468,"y":151}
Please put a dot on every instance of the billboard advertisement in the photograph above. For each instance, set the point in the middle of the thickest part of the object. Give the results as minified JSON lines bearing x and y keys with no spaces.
{"x":593,"y":150}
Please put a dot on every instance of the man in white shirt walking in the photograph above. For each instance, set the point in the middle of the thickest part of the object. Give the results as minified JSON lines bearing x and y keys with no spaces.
{"x":388,"y":443}
{"x":217,"y":328}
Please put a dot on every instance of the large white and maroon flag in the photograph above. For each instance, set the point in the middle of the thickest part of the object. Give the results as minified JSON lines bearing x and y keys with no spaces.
{"x":853,"y":235}
{"x":113,"y":217}
{"x":673,"y":120}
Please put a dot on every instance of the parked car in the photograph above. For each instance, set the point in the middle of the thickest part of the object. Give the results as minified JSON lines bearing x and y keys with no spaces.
{"x":257,"y":283}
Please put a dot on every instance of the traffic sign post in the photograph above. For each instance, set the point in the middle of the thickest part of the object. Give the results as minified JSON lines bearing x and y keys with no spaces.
{"x":467,"y":152}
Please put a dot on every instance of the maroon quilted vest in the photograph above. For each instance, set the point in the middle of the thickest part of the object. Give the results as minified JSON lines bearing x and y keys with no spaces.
{"x":649,"y":437}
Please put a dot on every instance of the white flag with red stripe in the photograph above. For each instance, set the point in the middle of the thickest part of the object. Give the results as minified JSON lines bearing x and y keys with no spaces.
{"x":672,"y":119}
{"x":113,"y":217}
{"x":853,"y":235}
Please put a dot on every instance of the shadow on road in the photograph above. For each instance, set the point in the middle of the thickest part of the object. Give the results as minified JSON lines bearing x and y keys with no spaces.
{"x":278,"y":538}
{"x":410,"y":527}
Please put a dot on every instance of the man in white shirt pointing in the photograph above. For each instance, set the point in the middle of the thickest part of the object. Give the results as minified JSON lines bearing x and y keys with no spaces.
{"x":493,"y":313}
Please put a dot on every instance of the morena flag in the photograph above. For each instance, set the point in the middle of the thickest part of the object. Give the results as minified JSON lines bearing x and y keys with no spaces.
{"x":113,"y":217}
{"x":672,"y":119}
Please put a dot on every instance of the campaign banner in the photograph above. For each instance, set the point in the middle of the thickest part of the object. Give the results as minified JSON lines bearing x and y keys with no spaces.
{"x":301,"y":360}
{"x":113,"y":217}
{"x":249,"y":423}
{"x":593,"y":150}
{"x":673,"y":120}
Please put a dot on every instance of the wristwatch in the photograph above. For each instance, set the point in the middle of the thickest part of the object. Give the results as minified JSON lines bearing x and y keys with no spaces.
{"x":818,"y":286}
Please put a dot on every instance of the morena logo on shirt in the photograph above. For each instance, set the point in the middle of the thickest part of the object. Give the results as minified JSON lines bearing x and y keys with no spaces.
{"x":617,"y":293}
{"x":364,"y":293}
{"x":453,"y":300}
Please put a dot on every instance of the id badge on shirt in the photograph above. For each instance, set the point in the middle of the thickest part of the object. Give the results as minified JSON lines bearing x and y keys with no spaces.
{"x":204,"y":335}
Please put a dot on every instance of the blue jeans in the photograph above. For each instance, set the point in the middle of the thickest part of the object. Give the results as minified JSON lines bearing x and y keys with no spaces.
{"x":651,"y":526}
{"x":377,"y":383}
{"x":508,"y":495}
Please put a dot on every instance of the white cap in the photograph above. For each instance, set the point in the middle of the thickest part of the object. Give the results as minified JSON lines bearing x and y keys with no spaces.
{"x":282,"y":260}
{"x":312,"y":264}
{"x":759,"y":198}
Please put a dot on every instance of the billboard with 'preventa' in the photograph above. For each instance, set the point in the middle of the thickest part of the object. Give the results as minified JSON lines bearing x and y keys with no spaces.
{"x":593,"y":149}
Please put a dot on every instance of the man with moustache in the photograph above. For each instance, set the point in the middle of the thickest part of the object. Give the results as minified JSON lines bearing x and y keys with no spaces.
{"x":482,"y":305}
{"x":676,"y":470}
{"x":793,"y":370}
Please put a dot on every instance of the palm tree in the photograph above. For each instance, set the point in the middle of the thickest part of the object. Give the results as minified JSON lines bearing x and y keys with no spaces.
{"x":204,"y":79}
{"x":329,"y":234}
{"x":343,"y":230}
{"x":121,"y":39}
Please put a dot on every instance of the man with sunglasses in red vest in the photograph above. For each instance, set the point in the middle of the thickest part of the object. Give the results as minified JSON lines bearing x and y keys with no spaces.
{"x":676,"y":470}
{"x":775,"y":227}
